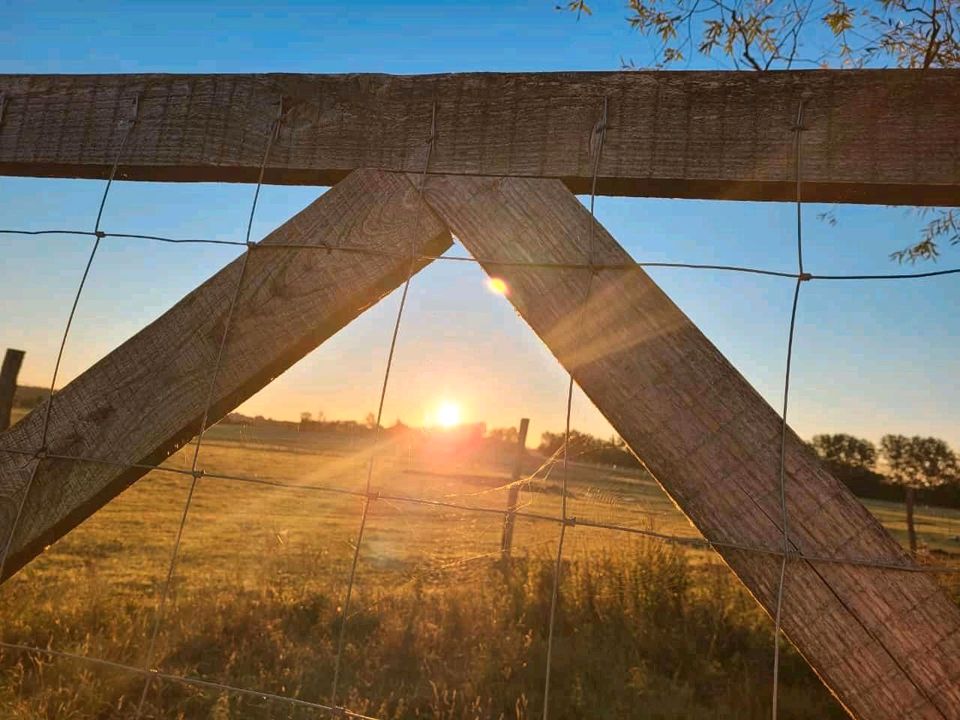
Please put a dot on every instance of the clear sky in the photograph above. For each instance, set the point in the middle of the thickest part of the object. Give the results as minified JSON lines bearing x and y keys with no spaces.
{"x":870,"y":358}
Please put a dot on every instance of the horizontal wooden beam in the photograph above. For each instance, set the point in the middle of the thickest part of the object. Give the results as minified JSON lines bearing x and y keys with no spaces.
{"x":146,"y":398}
{"x":872,"y":136}
{"x":886,"y":641}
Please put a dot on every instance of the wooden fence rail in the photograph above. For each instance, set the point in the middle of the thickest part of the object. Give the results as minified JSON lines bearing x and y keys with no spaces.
{"x":875,"y":136}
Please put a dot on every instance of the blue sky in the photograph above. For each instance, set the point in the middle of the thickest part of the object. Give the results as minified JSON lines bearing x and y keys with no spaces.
{"x":870,"y":357}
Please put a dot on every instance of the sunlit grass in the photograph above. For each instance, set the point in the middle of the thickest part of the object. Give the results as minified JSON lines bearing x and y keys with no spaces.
{"x":440,"y":627}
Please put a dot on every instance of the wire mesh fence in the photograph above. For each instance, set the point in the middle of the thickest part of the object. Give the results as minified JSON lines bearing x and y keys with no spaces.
{"x":450,"y":529}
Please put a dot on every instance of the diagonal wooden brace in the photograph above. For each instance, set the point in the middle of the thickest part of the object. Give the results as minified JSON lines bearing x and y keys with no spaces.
{"x":146,"y":398}
{"x":885,"y":641}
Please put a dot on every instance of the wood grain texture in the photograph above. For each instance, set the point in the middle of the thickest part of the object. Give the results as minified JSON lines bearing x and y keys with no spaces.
{"x":875,"y":136}
{"x":886,"y":642}
{"x":146,"y":398}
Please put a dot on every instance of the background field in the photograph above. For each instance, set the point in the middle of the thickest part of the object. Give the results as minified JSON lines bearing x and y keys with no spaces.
{"x":441,"y":626}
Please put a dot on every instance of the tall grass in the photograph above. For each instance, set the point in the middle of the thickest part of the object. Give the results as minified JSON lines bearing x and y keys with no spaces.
{"x":642,"y":631}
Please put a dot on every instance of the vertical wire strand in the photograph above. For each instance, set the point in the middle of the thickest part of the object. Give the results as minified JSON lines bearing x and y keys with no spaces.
{"x":98,"y":235}
{"x":798,"y":129}
{"x":178,"y":538}
{"x":365,"y":511}
{"x":597,"y":137}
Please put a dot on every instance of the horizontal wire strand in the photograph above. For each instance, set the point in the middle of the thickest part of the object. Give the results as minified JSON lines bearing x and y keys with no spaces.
{"x":493,"y":262}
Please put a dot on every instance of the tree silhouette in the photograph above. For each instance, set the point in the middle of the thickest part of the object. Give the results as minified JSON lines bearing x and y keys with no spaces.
{"x":917,"y":463}
{"x":845,"y":449}
{"x":587,"y":448}
{"x":505,"y":436}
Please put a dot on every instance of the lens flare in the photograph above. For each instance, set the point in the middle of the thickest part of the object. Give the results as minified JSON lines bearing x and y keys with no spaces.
{"x":497,"y":286}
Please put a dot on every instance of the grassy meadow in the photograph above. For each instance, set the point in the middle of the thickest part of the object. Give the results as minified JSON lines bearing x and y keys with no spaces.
{"x":440,"y":627}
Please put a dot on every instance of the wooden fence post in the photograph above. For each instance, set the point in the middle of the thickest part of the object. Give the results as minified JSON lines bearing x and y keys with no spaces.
{"x":506,"y":541}
{"x":12,"y":361}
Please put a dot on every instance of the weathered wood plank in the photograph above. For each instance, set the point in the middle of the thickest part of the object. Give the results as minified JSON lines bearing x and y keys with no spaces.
{"x":12,"y":360}
{"x":724,"y":135}
{"x":146,"y":398}
{"x":887,"y":642}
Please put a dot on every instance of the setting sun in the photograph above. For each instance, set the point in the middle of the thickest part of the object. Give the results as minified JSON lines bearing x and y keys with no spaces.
{"x":448,"y":415}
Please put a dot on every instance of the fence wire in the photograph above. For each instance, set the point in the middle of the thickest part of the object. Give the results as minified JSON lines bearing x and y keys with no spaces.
{"x":150,"y":674}
{"x":682,"y":540}
{"x":211,"y":393}
{"x":496,"y":262}
{"x":369,"y":494}
{"x":784,"y":514}
{"x":596,"y":147}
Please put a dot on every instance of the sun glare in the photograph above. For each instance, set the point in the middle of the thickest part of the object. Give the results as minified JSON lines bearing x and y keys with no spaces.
{"x":448,"y":415}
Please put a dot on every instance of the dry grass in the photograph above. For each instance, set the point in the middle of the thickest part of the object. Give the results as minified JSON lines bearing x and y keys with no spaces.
{"x":440,"y":627}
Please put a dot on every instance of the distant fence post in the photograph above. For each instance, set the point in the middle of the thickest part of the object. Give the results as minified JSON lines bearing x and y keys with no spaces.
{"x":8,"y":384}
{"x":506,"y":541}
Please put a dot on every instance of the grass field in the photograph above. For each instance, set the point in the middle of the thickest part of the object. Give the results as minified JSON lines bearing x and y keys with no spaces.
{"x":439,"y":627}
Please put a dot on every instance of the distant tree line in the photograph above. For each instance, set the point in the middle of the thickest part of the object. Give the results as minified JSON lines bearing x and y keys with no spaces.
{"x":307,"y":423}
{"x":587,"y":448}
{"x":902,"y":468}
{"x":27,"y":397}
